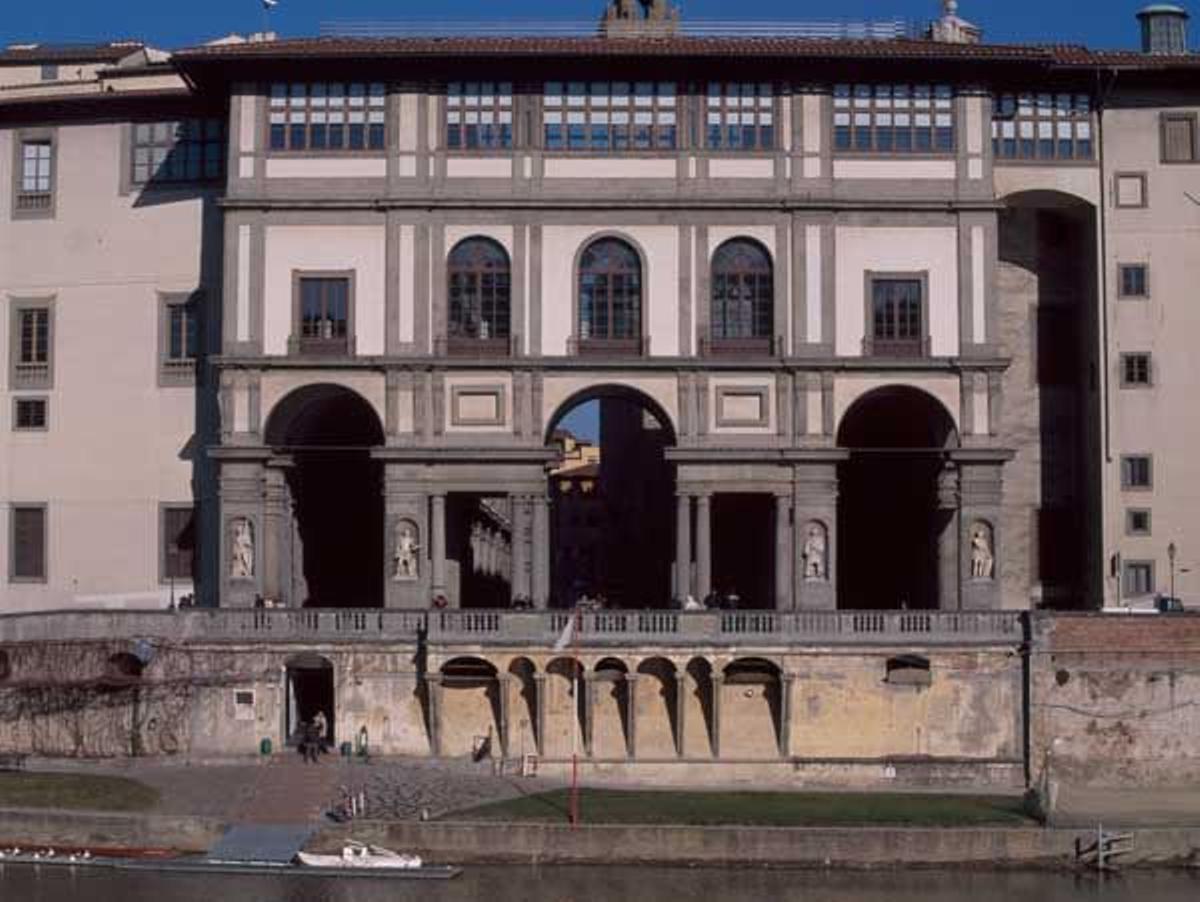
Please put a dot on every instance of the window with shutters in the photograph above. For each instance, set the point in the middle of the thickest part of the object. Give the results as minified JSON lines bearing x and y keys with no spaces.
{"x":27,"y":559}
{"x":178,"y":543}
{"x":1179,"y":138}
{"x":32,"y":343}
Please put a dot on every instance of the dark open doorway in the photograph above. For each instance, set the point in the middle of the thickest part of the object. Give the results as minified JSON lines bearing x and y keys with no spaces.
{"x":612,"y":497}
{"x":336,"y":490}
{"x":743,"y":548}
{"x":309,"y":693}
{"x":889,"y":522}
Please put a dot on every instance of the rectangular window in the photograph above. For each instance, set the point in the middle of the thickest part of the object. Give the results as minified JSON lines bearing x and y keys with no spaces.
{"x":178,"y":152}
{"x":897,"y":327}
{"x":49,"y":72}
{"x":740,"y":116}
{"x":1134,"y":281}
{"x":32,"y":345}
{"x":323,"y":316}
{"x":35,"y":179}
{"x":1131,"y":189}
{"x":1139,"y":578}
{"x":30,"y":414}
{"x":179,"y":339}
{"x":1137,"y":471}
{"x":27,"y":562}
{"x":899,"y":119}
{"x":479,"y":115}
{"x":178,"y":543}
{"x":1136,"y":371}
{"x":1179,"y":138}
{"x":1137,"y":522}
{"x":603,"y":116}
{"x":324,"y":117}
{"x":1043,"y":126}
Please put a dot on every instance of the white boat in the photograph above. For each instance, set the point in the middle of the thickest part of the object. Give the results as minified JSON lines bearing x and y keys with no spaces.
{"x":360,"y":855}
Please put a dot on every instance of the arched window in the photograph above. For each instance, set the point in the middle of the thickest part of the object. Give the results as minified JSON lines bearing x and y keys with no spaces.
{"x":610,"y":297}
{"x":743,"y":297}
{"x":478,"y":280}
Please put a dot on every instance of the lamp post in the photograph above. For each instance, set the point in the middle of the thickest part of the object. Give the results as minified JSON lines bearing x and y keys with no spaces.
{"x":1171,"y":561}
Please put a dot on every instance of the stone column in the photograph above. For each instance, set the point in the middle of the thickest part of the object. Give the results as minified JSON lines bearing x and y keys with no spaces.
{"x":783,"y":553}
{"x":703,"y":546}
{"x":539,"y":706}
{"x":541,"y":551}
{"x":681,"y":688}
{"x":816,"y":491}
{"x":631,"y":684}
{"x":521,"y":587}
{"x":437,"y":544}
{"x":683,"y":546}
{"x":982,"y":492}
{"x":785,"y":714}
{"x":718,"y":683}
{"x":948,"y":552}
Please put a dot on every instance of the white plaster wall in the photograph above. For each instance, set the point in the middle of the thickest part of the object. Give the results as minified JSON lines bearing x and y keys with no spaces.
{"x":407,"y":138}
{"x":407,"y":241}
{"x":117,"y":443}
{"x":501,"y":234}
{"x":360,"y":248}
{"x":901,"y":170}
{"x":609,"y":167}
{"x":904,"y":250}
{"x":479,"y":167}
{"x":660,"y":283}
{"x":733,"y":168}
{"x":1081,"y":181}
{"x":326,"y":167}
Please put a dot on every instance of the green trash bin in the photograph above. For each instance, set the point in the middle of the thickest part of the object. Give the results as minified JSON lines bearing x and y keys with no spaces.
{"x":346,"y":749}
{"x":264,"y":747}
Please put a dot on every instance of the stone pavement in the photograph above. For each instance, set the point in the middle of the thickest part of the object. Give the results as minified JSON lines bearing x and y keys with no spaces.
{"x":1078,"y":806}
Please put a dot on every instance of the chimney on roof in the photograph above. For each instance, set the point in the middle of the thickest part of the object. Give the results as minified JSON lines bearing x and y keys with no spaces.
{"x":950,"y":29}
{"x":1164,"y":29}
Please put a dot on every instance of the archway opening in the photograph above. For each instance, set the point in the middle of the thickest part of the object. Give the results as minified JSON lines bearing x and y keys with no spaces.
{"x":889,"y":519}
{"x":743,"y":561}
{"x":336,"y":543}
{"x":612,"y":493}
{"x":309,"y":679}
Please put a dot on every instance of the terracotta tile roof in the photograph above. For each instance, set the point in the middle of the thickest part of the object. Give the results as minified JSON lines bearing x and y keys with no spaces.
{"x":32,"y":54}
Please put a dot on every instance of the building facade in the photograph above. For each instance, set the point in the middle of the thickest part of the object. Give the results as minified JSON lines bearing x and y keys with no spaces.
{"x":295,"y":322}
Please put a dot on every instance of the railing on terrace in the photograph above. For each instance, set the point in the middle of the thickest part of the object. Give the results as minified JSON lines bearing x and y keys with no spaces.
{"x":533,"y":628}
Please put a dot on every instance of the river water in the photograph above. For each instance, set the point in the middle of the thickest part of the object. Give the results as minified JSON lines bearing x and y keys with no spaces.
{"x":616,"y":884}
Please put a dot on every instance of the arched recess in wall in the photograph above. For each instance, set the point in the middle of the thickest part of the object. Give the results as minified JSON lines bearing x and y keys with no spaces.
{"x":333,"y":552}
{"x":1049,"y":263}
{"x":612,"y":495}
{"x":890,"y":520}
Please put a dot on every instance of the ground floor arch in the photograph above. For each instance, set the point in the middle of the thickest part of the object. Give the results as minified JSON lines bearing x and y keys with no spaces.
{"x":310,"y":695}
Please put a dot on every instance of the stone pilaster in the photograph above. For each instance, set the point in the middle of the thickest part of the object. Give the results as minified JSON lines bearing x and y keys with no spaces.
{"x":437,"y":544}
{"x":783,"y":553}
{"x":785,"y":714}
{"x":718,"y":684}
{"x":703,"y":546}
{"x":815,"y":514}
{"x":521,"y":583}
{"x":539,"y":707}
{"x":277,"y":535}
{"x":540,"y":551}
{"x":681,"y":689}
{"x":683,"y":546}
{"x":504,"y":688}
{"x":948,"y":545}
{"x":433,"y":685}
{"x":631,"y":687}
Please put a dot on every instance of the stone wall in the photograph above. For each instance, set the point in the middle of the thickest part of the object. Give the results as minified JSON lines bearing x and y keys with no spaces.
{"x":1116,"y":699}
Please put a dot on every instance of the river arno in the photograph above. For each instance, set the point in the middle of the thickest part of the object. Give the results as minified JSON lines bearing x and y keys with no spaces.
{"x":618,"y":884}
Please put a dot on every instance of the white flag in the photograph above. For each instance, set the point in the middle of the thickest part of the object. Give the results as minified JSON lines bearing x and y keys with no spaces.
{"x":568,"y":633}
{"x":270,"y":4}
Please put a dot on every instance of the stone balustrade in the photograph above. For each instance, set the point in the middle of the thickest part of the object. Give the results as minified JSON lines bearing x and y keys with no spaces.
{"x":532,"y":628}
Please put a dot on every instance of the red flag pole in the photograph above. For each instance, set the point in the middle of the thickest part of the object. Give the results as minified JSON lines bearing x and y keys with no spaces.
{"x":574,"y":802}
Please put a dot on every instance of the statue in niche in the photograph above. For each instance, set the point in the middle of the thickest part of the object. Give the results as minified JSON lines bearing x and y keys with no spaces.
{"x":983,"y":561}
{"x":815,"y":551}
{"x":404,"y":553}
{"x":241,"y":558}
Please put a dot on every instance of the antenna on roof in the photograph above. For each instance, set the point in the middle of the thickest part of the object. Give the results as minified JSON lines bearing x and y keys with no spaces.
{"x":267,"y":6}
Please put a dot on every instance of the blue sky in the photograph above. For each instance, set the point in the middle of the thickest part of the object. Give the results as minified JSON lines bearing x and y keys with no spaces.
{"x":173,"y":23}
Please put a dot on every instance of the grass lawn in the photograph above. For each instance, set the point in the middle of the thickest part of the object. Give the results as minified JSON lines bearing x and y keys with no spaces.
{"x":97,"y":793}
{"x":759,"y":809}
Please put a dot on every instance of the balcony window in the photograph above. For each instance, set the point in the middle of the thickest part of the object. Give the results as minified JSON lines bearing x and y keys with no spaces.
{"x":743,"y":298}
{"x":897,"y":320}
{"x":602,"y":116}
{"x":32,"y":340}
{"x":324,"y":307}
{"x":479,"y":292}
{"x":328,"y":117}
